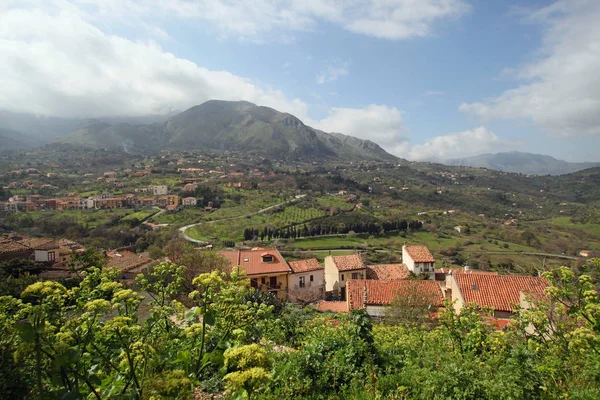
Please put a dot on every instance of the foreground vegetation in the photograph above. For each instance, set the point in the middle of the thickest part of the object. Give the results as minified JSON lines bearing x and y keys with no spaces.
{"x":177,"y":335}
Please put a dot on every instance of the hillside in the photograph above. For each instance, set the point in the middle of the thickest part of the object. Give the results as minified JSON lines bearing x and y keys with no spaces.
{"x":231,"y":126}
{"x":519,"y":162}
{"x":12,"y":140}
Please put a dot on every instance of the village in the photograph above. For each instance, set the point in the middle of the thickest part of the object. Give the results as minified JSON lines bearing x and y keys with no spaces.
{"x":340,"y":284}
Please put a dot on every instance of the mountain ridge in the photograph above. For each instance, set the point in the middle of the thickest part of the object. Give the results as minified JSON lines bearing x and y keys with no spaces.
{"x":226,"y":125}
{"x":520,"y":162}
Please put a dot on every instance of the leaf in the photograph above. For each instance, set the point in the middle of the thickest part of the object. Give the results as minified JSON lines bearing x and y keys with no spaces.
{"x":209,"y":318}
{"x":26,"y":331}
{"x":71,"y":396}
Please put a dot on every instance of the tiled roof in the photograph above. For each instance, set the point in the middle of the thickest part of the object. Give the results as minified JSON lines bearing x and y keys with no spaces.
{"x":311,"y":264}
{"x":252,"y":261}
{"x":419,"y":254}
{"x":348,"y":263}
{"x":126,"y":260}
{"x":498,"y":292}
{"x":8,"y":245}
{"x":39,"y":243}
{"x":387,"y":272}
{"x":363,"y":292}
{"x":333,"y":306}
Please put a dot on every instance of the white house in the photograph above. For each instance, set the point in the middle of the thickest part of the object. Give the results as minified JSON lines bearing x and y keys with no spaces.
{"x":418,"y":260}
{"x":341,"y":269}
{"x":306,"y":283}
{"x":159,"y":190}
{"x":189,"y":201}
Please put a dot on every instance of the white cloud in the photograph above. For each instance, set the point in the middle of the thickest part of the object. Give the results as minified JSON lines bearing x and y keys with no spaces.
{"x":62,"y":65}
{"x":259,"y":20}
{"x":333,"y":71}
{"x":561,"y":88}
{"x":459,"y":144}
{"x":381,"y":124}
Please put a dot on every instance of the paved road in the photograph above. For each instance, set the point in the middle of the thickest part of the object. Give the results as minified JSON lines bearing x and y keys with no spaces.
{"x":189,"y":239}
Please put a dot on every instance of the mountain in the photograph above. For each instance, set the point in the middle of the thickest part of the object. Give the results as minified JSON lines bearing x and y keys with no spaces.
{"x":525,"y":163}
{"x":14,"y":140}
{"x":226,"y":125}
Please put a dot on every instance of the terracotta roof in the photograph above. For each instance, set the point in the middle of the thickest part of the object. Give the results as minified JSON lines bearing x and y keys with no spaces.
{"x":363,"y":292}
{"x":501,"y":292}
{"x":387,"y":272}
{"x":252,"y":262}
{"x":333,"y":306}
{"x":126,"y":260}
{"x":311,"y":264}
{"x":348,"y":263}
{"x":419,"y":254}
{"x":39,"y":243}
{"x":8,"y":245}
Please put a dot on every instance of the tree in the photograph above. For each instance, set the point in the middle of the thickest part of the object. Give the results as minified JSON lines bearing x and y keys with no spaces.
{"x":90,"y":257}
{"x":411,"y":307}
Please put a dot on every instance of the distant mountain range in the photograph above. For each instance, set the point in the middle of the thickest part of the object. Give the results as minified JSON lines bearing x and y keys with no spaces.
{"x":519,"y":162}
{"x":227,"y":125}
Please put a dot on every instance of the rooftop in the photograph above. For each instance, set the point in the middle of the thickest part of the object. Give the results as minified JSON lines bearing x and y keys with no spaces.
{"x":362,"y":292}
{"x":253,"y":260}
{"x":126,"y":260}
{"x":348,"y":263}
{"x":387,"y":272}
{"x":501,"y":292}
{"x":311,"y":264}
{"x":419,"y":253}
{"x":333,"y":306}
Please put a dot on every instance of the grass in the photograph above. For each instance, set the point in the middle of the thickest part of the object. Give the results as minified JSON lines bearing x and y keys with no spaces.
{"x":140,"y":215}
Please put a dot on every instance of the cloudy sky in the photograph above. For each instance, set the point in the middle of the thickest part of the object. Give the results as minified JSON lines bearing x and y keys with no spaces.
{"x":423,"y":78}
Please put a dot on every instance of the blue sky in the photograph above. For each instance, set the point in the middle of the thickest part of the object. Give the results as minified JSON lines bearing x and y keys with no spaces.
{"x":425,"y":79}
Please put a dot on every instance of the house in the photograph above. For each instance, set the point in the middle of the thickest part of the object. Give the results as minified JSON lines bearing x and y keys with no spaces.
{"x":11,"y":249}
{"x":190,"y":201}
{"x":418,"y":260}
{"x":341,"y":269}
{"x":376,"y":296}
{"x":265,"y":267}
{"x":501,"y":293}
{"x":159,"y":190}
{"x":306,"y":283}
{"x":190,"y":187}
{"x":585,"y":253}
{"x":128,"y":263}
{"x":44,"y":249}
{"x":387,"y":272}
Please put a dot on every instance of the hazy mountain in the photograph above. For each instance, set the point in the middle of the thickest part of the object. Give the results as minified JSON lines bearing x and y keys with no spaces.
{"x":12,"y":141}
{"x":525,"y":163}
{"x":227,"y":125}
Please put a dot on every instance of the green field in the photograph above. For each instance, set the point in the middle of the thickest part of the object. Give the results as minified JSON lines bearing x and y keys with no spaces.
{"x":140,"y":215}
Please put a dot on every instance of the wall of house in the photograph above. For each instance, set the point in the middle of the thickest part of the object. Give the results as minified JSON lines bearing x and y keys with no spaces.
{"x":407,"y":260}
{"x":282,"y":279}
{"x":332,"y":277}
{"x":377,"y":311}
{"x":318,"y":279}
{"x":457,"y":297}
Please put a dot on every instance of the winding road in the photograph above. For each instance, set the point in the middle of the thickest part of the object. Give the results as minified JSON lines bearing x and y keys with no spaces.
{"x":189,"y":239}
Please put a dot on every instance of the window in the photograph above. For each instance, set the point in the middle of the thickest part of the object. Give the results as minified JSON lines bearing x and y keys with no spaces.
{"x":312,"y":278}
{"x":267,"y":258}
{"x":342,"y":276}
{"x":262,"y":280}
{"x":355,"y":275}
{"x":301,"y":281}
{"x":246,"y":260}
{"x":273,"y":282}
{"x":51,"y":256}
{"x":254,"y":283}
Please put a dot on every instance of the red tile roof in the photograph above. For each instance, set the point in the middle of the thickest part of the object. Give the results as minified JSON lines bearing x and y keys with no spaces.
{"x":126,"y":260}
{"x":311,"y":264}
{"x":348,"y":263}
{"x":252,"y":261}
{"x":387,"y":272}
{"x":499,"y":292}
{"x":363,"y":292}
{"x":334,"y":306}
{"x":419,"y":254}
{"x":8,"y":245}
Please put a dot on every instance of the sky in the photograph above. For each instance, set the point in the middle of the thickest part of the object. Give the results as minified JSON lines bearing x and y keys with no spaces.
{"x":425,"y":79}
